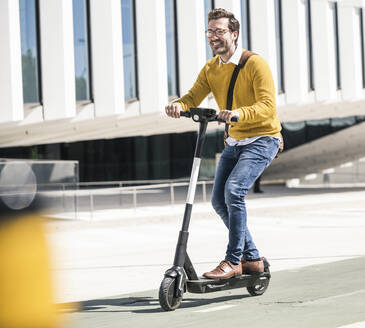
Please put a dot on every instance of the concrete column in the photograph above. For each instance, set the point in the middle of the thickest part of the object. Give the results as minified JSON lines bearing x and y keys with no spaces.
{"x":350,"y":50}
{"x":295,"y":49}
{"x":263,"y":38}
{"x":57,"y":55}
{"x":234,"y":6}
{"x":152,"y":61}
{"x":107,"y":57}
{"x":11,"y":91}
{"x":191,"y":37}
{"x":324,"y":50}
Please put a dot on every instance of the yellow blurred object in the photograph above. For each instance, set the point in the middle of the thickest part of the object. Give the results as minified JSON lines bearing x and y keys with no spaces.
{"x":26,"y":286}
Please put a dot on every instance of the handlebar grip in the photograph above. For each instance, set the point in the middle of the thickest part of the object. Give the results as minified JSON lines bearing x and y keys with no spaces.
{"x":233,"y":119}
{"x":185,"y":113}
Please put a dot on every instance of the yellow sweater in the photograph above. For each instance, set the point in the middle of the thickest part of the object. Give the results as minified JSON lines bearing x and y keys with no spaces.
{"x":253,"y":96}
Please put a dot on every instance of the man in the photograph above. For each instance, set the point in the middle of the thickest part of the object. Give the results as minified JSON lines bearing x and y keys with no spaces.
{"x":252,"y":144}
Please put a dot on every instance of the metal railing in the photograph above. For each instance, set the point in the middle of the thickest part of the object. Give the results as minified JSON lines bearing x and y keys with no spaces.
{"x":81,"y":197}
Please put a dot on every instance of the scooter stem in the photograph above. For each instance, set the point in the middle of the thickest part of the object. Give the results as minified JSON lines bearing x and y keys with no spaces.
{"x":180,"y":253}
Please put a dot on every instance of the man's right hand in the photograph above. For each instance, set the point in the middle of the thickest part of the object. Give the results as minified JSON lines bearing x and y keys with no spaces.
{"x":173,"y":110}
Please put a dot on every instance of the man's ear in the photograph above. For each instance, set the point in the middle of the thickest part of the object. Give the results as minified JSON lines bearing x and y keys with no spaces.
{"x":235,"y":34}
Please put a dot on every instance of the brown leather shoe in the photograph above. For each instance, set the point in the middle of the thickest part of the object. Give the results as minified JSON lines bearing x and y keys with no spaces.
{"x":252,"y":266}
{"x":224,"y":270}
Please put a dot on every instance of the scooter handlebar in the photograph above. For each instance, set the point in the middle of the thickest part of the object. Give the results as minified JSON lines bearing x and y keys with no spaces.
{"x":185,"y":113}
{"x":188,"y":114}
{"x":233,"y":119}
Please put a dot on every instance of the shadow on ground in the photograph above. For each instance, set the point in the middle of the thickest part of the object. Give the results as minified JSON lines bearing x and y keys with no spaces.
{"x":140,"y":304}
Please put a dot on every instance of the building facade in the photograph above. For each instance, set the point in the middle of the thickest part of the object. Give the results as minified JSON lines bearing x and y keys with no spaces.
{"x":88,"y":80}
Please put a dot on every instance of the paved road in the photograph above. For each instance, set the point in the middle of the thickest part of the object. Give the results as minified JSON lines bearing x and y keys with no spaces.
{"x":306,"y":235}
{"x":327,"y":295}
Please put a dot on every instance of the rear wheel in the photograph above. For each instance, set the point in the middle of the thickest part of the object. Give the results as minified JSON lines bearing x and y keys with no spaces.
{"x":167,"y":298}
{"x":259,"y":286}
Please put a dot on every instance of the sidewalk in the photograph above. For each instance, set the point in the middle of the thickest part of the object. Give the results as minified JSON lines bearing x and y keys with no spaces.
{"x":125,"y":251}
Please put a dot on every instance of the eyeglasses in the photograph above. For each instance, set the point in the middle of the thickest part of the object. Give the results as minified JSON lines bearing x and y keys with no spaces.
{"x":217,"y":32}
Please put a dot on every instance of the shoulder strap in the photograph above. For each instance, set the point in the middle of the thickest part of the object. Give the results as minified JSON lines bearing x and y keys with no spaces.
{"x":243,"y":60}
{"x":241,"y":64}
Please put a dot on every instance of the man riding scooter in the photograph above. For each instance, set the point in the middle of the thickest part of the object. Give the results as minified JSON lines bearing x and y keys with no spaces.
{"x":251,"y":144}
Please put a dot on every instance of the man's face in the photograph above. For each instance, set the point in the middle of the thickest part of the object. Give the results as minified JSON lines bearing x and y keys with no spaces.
{"x":221,"y":44}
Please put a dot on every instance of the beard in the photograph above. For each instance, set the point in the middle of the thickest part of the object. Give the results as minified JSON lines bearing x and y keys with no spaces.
{"x":219,"y":47}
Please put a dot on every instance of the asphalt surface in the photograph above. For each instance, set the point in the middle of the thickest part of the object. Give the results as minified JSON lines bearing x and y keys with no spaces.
{"x":109,"y":268}
{"x":326,"y":295}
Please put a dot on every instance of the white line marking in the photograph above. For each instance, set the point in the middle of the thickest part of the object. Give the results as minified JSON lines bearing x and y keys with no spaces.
{"x":217,"y":308}
{"x":355,"y":325}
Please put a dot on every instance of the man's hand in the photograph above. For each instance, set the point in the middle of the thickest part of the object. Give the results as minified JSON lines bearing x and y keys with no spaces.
{"x":173,"y":110}
{"x":227,"y":115}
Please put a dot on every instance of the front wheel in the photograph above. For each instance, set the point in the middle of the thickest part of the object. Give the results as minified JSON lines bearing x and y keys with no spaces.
{"x":167,"y":298}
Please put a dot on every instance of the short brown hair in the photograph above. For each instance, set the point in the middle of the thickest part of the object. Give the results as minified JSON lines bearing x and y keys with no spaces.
{"x":233,"y":23}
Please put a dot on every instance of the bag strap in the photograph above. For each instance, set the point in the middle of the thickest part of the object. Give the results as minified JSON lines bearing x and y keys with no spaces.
{"x":241,"y":64}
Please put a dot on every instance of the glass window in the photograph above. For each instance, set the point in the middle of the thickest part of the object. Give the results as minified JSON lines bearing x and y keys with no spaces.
{"x":81,"y":46}
{"x":362,"y":45}
{"x":245,"y":24}
{"x":337,"y":48}
{"x":208,"y":6}
{"x":171,"y":45}
{"x":129,"y":49}
{"x":309,"y":44}
{"x":279,"y":46}
{"x":30,"y":50}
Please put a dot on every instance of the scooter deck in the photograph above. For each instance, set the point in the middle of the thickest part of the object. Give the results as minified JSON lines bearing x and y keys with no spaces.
{"x":204,"y":285}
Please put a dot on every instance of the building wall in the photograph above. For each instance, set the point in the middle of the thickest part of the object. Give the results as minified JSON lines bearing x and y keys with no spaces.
{"x":58,"y":117}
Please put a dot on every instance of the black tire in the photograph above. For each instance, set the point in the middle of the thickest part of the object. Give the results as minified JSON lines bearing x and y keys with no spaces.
{"x":167,"y":298}
{"x":259,"y":287}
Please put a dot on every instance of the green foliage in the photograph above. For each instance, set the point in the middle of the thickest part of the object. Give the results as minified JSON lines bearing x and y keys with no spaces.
{"x":81,"y":88}
{"x":30,"y":78}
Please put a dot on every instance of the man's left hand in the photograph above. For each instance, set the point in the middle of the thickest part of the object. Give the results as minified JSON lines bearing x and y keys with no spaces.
{"x":227,"y":115}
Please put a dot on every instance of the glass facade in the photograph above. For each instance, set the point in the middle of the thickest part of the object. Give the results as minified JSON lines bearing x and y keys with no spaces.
{"x":279,"y":46}
{"x":208,"y":6}
{"x":171,"y":45}
{"x":245,"y":24}
{"x":309,"y":44}
{"x":82,"y":49}
{"x":30,"y":51}
{"x":143,"y":158}
{"x":336,"y":43}
{"x":129,"y":49}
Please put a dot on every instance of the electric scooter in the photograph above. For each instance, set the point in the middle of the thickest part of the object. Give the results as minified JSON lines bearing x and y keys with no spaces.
{"x":181,"y":277}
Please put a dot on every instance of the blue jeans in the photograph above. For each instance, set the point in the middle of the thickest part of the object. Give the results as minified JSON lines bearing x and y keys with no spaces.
{"x":238,"y":168}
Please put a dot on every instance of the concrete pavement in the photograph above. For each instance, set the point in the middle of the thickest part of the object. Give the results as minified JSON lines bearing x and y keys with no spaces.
{"x":126,"y":252}
{"x":325,"y":296}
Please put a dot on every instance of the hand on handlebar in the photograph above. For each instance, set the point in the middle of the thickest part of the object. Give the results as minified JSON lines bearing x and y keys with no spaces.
{"x":173,"y":110}
{"x":227,"y":115}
